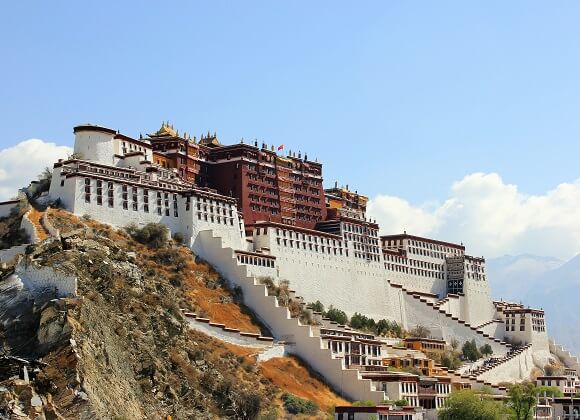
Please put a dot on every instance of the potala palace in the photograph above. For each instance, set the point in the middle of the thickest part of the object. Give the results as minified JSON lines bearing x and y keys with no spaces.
{"x":253,"y":213}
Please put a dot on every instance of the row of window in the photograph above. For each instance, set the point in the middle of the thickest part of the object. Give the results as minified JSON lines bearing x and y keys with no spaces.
{"x":347,"y":347}
{"x":415,"y":271}
{"x":291,"y":243}
{"x":217,"y":212}
{"x":255,"y":260}
{"x":348,"y":227}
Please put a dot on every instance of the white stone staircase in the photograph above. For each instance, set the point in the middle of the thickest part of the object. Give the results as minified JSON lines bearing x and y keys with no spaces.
{"x":301,"y":339}
{"x":442,"y":318}
{"x":517,"y":364}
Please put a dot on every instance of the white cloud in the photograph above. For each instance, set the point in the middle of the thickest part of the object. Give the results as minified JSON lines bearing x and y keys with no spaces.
{"x":21,"y":164}
{"x":491,"y":218}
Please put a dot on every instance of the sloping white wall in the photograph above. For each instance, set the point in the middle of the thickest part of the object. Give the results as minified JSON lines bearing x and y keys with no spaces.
{"x":300,"y":338}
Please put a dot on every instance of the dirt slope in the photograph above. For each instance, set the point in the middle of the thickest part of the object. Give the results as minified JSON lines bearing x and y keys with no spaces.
{"x":122,"y":349}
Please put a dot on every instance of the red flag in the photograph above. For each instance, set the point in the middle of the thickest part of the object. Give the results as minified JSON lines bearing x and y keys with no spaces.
{"x":280,"y":147}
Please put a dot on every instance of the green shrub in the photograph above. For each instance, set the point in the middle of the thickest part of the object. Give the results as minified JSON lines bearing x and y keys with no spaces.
{"x":297,"y":405}
{"x":316,"y":306}
{"x":364,"y":403}
{"x":470,"y":351}
{"x":153,"y":235}
{"x":178,"y":238}
{"x":486,"y":350}
{"x":451,"y":360}
{"x":336,"y":315}
{"x":420,"y":331}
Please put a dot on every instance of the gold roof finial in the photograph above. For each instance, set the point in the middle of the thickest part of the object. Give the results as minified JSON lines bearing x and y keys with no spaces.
{"x":166,"y":130}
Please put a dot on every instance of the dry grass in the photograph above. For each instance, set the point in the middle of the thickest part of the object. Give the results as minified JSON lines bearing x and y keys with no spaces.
{"x":215,"y":302}
{"x":289,"y":374}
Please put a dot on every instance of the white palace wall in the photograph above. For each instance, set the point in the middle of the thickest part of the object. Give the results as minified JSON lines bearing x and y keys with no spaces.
{"x":348,"y":283}
{"x":477,"y":306}
{"x":417,"y":283}
{"x":189,"y":220}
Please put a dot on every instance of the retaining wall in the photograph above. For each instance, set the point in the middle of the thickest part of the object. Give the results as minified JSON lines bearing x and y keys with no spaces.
{"x":8,"y":255}
{"x":7,"y":206}
{"x":565,"y":356}
{"x":29,"y":228}
{"x":229,"y":335}
{"x":37,"y":279}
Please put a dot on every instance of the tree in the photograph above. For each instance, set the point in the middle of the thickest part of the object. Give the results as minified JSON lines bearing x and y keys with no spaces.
{"x":549,"y":391}
{"x":454,"y":343}
{"x":470,"y":351}
{"x":383,"y":326}
{"x":466,"y":404}
{"x":336,"y":315}
{"x":420,"y":331}
{"x":522,"y":399}
{"x":486,"y":350}
{"x":359,"y":321}
{"x":317,"y":306}
{"x":451,"y":361}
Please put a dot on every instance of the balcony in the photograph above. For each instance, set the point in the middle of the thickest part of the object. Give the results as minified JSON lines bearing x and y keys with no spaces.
{"x":426,"y":392}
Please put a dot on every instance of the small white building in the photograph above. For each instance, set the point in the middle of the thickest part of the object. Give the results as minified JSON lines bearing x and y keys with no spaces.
{"x":568,"y":384}
{"x":380,"y":412}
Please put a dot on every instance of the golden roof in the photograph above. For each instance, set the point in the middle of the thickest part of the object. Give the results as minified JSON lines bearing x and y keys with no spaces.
{"x":210,"y":140}
{"x":166,"y":130}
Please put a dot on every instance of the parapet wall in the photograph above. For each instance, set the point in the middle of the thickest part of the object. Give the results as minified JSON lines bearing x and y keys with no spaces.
{"x":29,"y":228}
{"x":8,"y":255}
{"x":38,"y":279}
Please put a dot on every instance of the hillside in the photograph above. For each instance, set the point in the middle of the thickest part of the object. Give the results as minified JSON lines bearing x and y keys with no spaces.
{"x":121,"y":349}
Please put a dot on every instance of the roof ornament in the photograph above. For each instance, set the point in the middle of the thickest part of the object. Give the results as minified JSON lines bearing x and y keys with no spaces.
{"x":242,"y":141}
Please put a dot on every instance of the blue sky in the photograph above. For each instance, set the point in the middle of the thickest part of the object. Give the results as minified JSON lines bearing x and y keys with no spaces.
{"x":397,"y":98}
